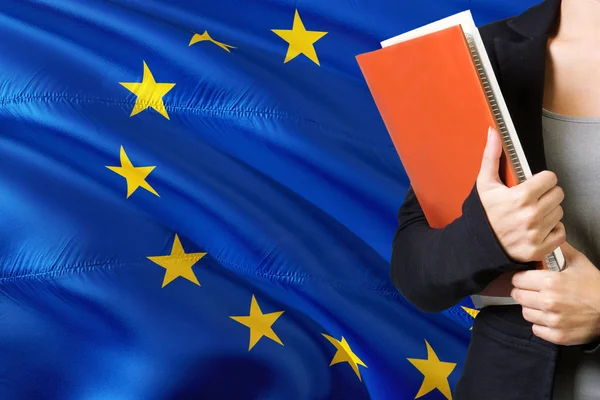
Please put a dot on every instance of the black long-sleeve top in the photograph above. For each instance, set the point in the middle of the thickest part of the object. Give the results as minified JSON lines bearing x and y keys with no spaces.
{"x":435,"y":268}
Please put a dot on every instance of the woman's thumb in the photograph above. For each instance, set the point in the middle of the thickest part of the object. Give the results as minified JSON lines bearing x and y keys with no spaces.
{"x":490,"y":164}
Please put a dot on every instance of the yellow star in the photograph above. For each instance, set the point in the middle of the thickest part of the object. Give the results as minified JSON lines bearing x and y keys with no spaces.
{"x":135,"y":176}
{"x":435,"y":373}
{"x":206,"y":37}
{"x":259,"y":323}
{"x":300,"y":40}
{"x":149,"y":93}
{"x":178,"y":263}
{"x":345,"y":354}
{"x":471,"y":311}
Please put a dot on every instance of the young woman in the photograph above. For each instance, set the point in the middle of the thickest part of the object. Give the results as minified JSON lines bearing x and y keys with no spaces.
{"x":545,"y":345}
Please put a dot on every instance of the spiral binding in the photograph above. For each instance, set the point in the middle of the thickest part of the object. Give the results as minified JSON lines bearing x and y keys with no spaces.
{"x":551,"y":261}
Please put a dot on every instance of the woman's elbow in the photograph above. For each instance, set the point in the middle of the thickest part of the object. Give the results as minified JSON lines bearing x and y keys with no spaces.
{"x":417,"y":290}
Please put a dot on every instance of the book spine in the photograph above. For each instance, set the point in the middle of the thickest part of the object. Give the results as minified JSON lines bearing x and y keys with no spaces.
{"x":551,"y":262}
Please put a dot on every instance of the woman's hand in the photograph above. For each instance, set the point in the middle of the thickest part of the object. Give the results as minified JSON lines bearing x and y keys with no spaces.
{"x":525,"y":218}
{"x":563,"y":306}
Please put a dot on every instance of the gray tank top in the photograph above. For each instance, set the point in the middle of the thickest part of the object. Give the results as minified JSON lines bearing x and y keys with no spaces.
{"x":572,"y":150}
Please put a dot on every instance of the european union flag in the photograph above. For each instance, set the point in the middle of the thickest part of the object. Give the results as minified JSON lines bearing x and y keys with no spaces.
{"x":198,"y":200}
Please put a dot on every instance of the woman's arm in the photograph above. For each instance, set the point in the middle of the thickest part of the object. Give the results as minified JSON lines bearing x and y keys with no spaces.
{"x":436,"y":268}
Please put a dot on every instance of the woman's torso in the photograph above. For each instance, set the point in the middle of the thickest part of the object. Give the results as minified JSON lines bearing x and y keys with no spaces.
{"x":571,"y":133}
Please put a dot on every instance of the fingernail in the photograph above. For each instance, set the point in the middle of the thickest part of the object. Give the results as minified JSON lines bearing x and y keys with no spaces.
{"x":490,"y":130}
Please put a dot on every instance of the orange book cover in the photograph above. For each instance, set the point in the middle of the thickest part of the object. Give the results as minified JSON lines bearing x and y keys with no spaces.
{"x":435,"y":109}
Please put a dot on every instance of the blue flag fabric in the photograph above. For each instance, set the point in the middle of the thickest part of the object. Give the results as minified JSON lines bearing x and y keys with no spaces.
{"x":198,"y":200}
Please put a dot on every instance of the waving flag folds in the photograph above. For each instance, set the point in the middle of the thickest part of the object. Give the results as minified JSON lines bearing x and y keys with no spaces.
{"x":198,"y":200}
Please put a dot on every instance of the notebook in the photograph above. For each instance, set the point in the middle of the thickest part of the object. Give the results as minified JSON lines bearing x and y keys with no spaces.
{"x":437,"y":94}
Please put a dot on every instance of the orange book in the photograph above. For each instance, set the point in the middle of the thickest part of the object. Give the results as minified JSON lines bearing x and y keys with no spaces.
{"x":437,"y":95}
{"x":434,"y":107}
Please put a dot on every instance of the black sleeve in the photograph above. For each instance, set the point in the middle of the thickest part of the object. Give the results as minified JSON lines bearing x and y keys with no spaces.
{"x":435,"y":268}
{"x":592,"y":347}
